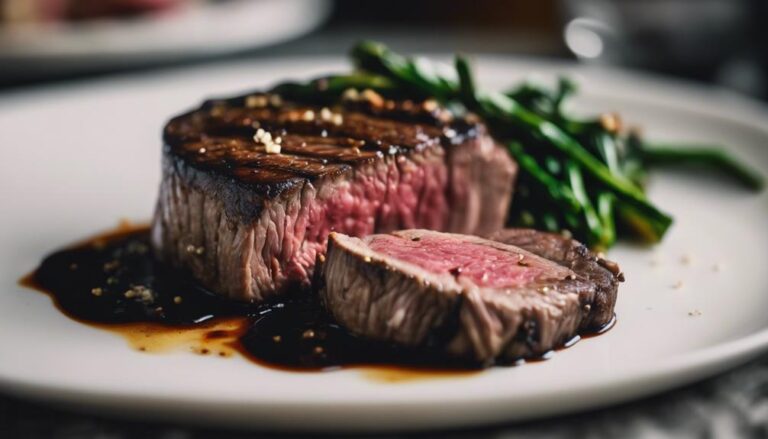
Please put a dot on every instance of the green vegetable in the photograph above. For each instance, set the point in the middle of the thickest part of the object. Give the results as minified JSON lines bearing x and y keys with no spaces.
{"x":711,"y":157}
{"x":585,"y":176}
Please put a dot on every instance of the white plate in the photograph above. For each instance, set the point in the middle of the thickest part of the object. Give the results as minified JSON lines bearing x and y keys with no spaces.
{"x":75,"y":160}
{"x":197,"y":29}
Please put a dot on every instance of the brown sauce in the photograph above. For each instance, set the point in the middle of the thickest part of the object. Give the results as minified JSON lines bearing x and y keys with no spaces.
{"x":113,"y":282}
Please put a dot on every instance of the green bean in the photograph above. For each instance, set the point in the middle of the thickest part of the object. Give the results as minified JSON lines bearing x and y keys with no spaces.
{"x":713,"y":157}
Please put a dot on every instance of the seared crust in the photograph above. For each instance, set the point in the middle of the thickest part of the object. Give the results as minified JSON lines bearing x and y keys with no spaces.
{"x":213,"y":146}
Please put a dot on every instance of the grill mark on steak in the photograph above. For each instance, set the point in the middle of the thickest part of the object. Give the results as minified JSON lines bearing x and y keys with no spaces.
{"x":225,"y":135}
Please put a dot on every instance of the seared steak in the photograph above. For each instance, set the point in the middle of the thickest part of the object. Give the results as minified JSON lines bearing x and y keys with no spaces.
{"x":252,"y":185}
{"x":467,"y":296}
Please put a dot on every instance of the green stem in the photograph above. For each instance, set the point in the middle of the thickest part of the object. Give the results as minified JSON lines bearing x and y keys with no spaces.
{"x":703,"y":156}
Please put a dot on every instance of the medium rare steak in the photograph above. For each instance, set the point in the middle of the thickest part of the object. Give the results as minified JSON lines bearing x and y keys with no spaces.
{"x":252,"y":185}
{"x":467,"y":296}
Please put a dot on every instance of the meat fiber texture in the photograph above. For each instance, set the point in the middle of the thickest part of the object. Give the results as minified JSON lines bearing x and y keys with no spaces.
{"x":249,"y":224}
{"x":478,"y":299}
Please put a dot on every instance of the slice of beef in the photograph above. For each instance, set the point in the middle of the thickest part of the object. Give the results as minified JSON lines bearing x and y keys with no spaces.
{"x":248,"y":222}
{"x":602,"y":276}
{"x":466,"y":296}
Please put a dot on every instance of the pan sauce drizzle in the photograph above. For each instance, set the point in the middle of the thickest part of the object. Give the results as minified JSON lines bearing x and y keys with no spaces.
{"x":112,"y":282}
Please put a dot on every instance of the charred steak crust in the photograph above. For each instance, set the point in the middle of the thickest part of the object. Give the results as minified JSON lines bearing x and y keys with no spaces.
{"x":384,"y":298}
{"x":248,"y":223}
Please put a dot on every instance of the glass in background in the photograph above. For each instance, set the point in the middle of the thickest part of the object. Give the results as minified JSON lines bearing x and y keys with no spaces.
{"x":710,"y":40}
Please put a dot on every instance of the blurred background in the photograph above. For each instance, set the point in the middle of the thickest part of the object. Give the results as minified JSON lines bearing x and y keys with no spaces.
{"x":713,"y":41}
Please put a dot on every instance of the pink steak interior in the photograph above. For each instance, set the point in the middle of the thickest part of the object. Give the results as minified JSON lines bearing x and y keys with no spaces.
{"x":486,"y":266}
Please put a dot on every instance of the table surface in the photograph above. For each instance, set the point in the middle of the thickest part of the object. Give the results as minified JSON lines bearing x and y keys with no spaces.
{"x":734,"y":404}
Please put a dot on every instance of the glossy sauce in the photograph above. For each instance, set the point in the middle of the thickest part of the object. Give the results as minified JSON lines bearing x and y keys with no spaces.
{"x":114,"y":283}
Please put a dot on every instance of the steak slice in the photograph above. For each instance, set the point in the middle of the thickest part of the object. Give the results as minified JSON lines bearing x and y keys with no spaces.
{"x":601,"y":275}
{"x":248,"y":221}
{"x":466,"y":296}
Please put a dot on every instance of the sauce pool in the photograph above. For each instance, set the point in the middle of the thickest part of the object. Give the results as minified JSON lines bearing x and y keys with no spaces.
{"x":113,"y":282}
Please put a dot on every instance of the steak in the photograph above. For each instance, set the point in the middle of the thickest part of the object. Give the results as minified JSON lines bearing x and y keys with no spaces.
{"x":252,"y":186}
{"x":518,"y":296}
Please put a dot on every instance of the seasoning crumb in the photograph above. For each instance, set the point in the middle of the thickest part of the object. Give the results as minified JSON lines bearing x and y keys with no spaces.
{"x":716,"y":268}
{"x":256,"y":101}
{"x":367,"y":259}
{"x":611,"y":122}
{"x":195,"y":250}
{"x":371,"y":96}
{"x":326,"y":114}
{"x":308,"y":334}
{"x":308,"y":116}
{"x":677,"y":285}
{"x":429,"y":105}
{"x":337,"y":119}
{"x":140,"y":292}
{"x":96,"y":291}
{"x":653,"y":262}
{"x":271,"y":146}
{"x":694,"y":313}
{"x":177,"y":300}
{"x":73,"y":267}
{"x":318,"y":350}
{"x":277,"y":339}
{"x":685,"y":259}
{"x":217,"y":110}
{"x":350,"y":94}
{"x":275,"y":100}
{"x":202,"y":150}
